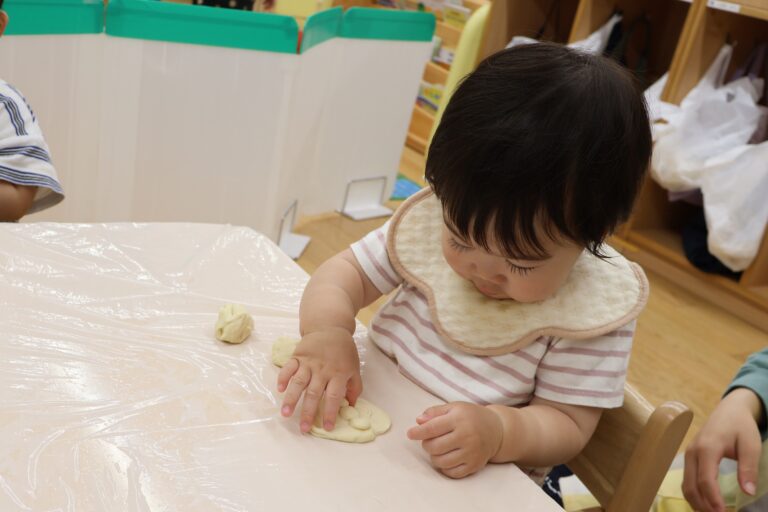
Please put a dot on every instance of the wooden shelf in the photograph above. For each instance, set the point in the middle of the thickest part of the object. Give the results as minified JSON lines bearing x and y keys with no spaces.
{"x":752,"y":8}
{"x":416,"y":143}
{"x":435,"y":74}
{"x":449,"y":34}
{"x":420,"y":129}
{"x":664,"y":242}
{"x":474,"y":5}
{"x":660,"y":251}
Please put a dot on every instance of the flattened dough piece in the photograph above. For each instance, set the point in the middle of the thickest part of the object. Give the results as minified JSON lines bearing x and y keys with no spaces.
{"x":234,"y":324}
{"x":358,"y":424}
{"x":282,"y":350}
{"x":361,"y":426}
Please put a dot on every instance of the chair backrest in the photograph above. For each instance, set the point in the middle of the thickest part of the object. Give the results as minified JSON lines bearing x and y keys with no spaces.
{"x":465,"y":58}
{"x":630,"y":452}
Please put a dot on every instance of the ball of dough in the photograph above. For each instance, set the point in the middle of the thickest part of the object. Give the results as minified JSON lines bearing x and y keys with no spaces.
{"x":234,"y":324}
{"x":282,"y":350}
{"x":348,"y":412}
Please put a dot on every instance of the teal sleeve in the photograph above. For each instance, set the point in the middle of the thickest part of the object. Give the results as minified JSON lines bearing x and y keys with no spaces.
{"x":754,"y":376}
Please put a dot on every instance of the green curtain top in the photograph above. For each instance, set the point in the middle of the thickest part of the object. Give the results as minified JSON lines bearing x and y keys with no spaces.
{"x":33,"y":17}
{"x":179,"y":23}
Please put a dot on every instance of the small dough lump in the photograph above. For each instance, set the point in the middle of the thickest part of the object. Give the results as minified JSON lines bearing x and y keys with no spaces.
{"x":282,"y":350}
{"x":234,"y":324}
{"x":358,"y":424}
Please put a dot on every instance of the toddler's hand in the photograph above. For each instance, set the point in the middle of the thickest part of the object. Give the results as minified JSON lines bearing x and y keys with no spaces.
{"x":731,"y":431}
{"x":459,"y":437}
{"x":325,"y":362}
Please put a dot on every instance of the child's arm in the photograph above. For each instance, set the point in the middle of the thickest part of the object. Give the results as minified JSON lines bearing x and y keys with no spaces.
{"x":544,"y":433}
{"x":461,"y":438}
{"x":326,"y":359}
{"x":733,"y":430}
{"x":15,"y":201}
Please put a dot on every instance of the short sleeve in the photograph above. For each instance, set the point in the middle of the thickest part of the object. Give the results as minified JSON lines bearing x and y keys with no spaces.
{"x":754,"y":375}
{"x":591,"y":372}
{"x":24,"y":155}
{"x":371,"y":254}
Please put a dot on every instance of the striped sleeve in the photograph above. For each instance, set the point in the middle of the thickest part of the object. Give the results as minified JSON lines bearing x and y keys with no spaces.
{"x":591,"y":373}
{"x":371,"y":253}
{"x":24,"y":156}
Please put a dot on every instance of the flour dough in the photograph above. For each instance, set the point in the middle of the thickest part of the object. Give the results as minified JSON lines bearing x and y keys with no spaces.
{"x":234,"y":324}
{"x":282,"y":350}
{"x":358,"y":424}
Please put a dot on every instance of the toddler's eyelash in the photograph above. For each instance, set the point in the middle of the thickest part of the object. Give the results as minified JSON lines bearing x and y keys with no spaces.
{"x":457,"y":246}
{"x":523,"y":271}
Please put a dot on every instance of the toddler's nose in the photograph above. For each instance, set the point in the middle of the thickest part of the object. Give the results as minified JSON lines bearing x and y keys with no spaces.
{"x":492,"y":275}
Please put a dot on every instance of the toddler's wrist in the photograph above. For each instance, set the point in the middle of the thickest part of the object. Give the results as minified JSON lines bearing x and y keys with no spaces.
{"x":749,"y":400}
{"x":500,"y":414}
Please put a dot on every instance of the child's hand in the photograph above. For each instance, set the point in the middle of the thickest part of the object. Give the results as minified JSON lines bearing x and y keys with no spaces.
{"x":460,"y":437}
{"x":325,"y":362}
{"x":731,"y":431}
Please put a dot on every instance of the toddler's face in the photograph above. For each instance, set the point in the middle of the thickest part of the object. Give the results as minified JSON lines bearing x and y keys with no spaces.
{"x":499,"y":277}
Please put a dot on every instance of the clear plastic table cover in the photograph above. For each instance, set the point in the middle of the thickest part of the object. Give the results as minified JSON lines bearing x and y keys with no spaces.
{"x":116,"y":396}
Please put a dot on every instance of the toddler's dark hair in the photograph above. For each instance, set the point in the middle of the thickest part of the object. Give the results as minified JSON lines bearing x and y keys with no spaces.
{"x":541,"y":134}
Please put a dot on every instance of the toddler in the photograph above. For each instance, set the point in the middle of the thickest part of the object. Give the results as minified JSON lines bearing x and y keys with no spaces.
{"x":508,"y":304}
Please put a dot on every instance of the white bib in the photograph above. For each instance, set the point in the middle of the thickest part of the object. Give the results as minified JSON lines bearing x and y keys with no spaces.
{"x":598,"y":297}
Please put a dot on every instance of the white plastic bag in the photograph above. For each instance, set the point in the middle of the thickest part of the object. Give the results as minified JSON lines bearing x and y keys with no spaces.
{"x":704,"y":145}
{"x":659,"y":111}
{"x":735,"y":189}
{"x":597,"y":40}
{"x":594,"y":43}
{"x":711,"y":120}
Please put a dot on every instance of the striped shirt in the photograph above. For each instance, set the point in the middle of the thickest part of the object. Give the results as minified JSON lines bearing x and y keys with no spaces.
{"x":585,"y":372}
{"x":24,"y":155}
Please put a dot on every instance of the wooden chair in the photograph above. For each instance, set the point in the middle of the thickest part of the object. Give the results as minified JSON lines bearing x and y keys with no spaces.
{"x":627,"y":458}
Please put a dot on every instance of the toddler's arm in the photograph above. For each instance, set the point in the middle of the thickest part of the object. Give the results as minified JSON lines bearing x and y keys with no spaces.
{"x":15,"y":201}
{"x":326,"y":359}
{"x":461,"y":437}
{"x":544,"y":433}
{"x":733,"y":430}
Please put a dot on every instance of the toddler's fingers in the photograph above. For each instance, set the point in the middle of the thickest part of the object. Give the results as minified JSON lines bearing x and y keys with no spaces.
{"x":435,"y":427}
{"x":440,"y":445}
{"x":748,"y":448}
{"x":286,"y":372}
{"x":433,"y":412}
{"x":312,"y":396}
{"x":354,"y":388}
{"x":448,"y":460}
{"x":299,"y":381}
{"x":690,"y":480}
{"x":334,"y":394}
{"x":709,"y":489}
{"x":457,"y":472}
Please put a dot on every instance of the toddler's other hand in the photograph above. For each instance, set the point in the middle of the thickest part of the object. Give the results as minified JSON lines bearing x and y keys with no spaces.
{"x":731,"y":431}
{"x":459,"y":437}
{"x":324,"y":363}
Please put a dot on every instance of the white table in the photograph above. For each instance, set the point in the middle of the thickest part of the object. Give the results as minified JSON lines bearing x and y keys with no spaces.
{"x":115,"y":396}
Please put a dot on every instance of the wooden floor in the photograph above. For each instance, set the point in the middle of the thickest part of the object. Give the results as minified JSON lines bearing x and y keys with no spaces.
{"x":686,"y":349}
